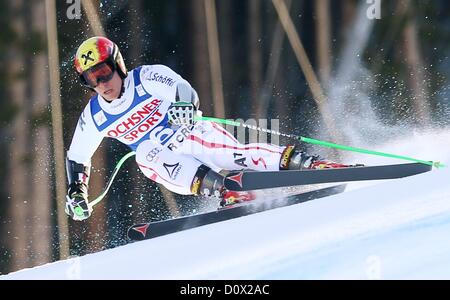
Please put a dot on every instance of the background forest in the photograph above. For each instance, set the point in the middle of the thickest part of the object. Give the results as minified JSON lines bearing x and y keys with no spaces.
{"x":355,"y":72}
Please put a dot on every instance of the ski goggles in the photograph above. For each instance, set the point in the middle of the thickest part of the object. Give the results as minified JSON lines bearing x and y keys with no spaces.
{"x":102,"y":72}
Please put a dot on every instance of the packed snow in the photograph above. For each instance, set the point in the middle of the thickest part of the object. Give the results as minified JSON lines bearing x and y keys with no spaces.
{"x":397,"y":229}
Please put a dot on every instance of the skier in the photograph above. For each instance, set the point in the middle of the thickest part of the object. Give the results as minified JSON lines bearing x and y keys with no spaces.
{"x":151,"y":109}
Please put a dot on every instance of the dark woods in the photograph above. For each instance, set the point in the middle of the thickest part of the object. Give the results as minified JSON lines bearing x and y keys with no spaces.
{"x":243,"y":64}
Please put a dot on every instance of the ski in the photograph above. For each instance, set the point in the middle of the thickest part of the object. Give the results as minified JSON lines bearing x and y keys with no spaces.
{"x":248,"y":180}
{"x":154,"y":229}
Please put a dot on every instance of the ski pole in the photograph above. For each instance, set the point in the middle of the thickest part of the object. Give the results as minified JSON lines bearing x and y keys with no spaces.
{"x":111,"y":179}
{"x":435,"y":164}
{"x":321,"y":143}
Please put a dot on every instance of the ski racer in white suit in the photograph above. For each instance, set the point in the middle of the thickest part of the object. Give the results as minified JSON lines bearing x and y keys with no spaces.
{"x":151,"y":109}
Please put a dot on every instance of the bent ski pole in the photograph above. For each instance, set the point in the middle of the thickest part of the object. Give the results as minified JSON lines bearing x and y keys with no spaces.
{"x":435,"y":164}
{"x":111,"y":179}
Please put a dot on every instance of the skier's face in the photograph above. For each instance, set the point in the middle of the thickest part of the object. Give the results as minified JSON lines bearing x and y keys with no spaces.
{"x":110,"y":90}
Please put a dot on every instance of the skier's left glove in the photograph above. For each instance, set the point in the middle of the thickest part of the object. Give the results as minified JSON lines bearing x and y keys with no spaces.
{"x":77,"y":205}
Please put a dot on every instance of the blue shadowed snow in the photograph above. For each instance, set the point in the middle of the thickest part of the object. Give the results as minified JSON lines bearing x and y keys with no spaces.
{"x":396,"y":229}
{"x":391,"y":254}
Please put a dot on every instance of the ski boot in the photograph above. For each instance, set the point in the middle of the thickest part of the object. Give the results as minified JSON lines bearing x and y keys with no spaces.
{"x":230,"y":198}
{"x":318,"y":163}
{"x":209,"y":183}
{"x":292,"y":159}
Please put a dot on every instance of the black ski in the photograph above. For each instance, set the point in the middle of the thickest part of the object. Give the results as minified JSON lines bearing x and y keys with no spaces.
{"x":154,"y":229}
{"x":248,"y":180}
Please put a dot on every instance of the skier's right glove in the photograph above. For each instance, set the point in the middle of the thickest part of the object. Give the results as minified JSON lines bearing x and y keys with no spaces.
{"x":185,"y":107}
{"x":77,"y":206}
{"x":181,"y":113}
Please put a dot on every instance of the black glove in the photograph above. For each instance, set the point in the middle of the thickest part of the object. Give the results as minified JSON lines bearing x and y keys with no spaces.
{"x":77,"y":205}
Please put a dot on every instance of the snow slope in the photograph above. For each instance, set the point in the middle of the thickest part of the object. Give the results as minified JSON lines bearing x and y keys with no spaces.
{"x":395,"y":229}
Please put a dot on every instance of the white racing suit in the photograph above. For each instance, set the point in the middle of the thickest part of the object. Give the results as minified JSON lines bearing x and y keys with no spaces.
{"x":166,"y":154}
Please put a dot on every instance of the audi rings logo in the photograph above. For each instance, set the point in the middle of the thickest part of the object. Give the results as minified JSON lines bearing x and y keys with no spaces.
{"x":152,"y":154}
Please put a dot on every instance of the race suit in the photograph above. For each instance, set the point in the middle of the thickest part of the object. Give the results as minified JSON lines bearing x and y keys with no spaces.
{"x":167,"y":154}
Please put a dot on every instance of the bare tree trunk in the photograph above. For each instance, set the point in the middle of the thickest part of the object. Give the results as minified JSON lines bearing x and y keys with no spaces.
{"x":282,"y":102}
{"x":136,"y":50}
{"x":416,"y":69}
{"x":227,"y":47}
{"x":255,"y":52}
{"x":215,"y":62}
{"x":308,"y":71}
{"x":57,"y":134}
{"x":202,"y":79}
{"x":390,"y":39}
{"x":90,"y":8}
{"x":18,"y":180}
{"x":136,"y":15}
{"x":272,"y":68}
{"x":348,"y":14}
{"x":323,"y":38}
{"x":41,"y":200}
{"x":97,"y":224}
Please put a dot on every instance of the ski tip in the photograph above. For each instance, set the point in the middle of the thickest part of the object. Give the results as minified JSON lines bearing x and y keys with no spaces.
{"x":138,"y":231}
{"x":438,"y":165}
